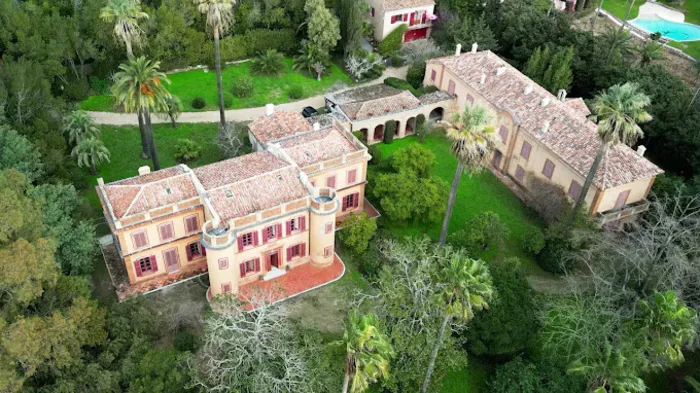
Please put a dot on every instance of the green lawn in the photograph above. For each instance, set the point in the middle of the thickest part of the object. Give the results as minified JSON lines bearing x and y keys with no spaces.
{"x":124,"y":143}
{"x":477,"y":194}
{"x":692,"y":15}
{"x":198,"y":83}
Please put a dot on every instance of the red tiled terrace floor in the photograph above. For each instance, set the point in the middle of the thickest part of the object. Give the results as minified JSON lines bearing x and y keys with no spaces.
{"x":296,"y":281}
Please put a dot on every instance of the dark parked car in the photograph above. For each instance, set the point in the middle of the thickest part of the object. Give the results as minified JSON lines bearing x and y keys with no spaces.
{"x":309,"y":111}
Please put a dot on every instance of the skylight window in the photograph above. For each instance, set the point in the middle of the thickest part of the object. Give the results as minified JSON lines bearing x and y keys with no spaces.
{"x":229,"y":194}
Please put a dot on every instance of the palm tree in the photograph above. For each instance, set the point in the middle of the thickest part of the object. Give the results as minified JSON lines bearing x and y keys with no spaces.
{"x":619,"y":42}
{"x":126,"y":15}
{"x":650,"y":51}
{"x":618,"y":112}
{"x":78,"y":125}
{"x":172,"y":109}
{"x":368,"y":352}
{"x":473,"y":139}
{"x":466,"y":288}
{"x":139,"y":87}
{"x":91,"y":152}
{"x":219,"y":19}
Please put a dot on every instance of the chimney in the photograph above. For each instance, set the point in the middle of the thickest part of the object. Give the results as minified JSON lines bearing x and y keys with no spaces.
{"x":528,"y":88}
{"x":144,"y":170}
{"x":545,"y":127}
{"x":561,"y":95}
{"x":500,"y":71}
{"x":458,"y":50}
{"x":545,"y":102}
{"x":641,"y":149}
{"x":317,"y":126}
{"x":269,"y":109}
{"x":483,"y":78}
{"x":475,"y":46}
{"x":100,"y":181}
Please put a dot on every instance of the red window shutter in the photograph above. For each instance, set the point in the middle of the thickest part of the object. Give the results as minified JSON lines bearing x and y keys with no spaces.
{"x":405,"y":17}
{"x":257,"y":264}
{"x":264,"y":233}
{"x":289,"y":253}
{"x":356,"y":199}
{"x":278,"y":230}
{"x":255,"y":238}
{"x":393,"y":19}
{"x":240,"y":243}
{"x":137,"y":268}
{"x":302,"y":223}
{"x":352,"y":176}
{"x":302,"y":249}
{"x":289,"y":227}
{"x":330,"y":182}
{"x":504,"y":134}
{"x":242,"y":267}
{"x":519,"y":173}
{"x":433,"y":75}
{"x":525,"y":151}
{"x":163,"y":229}
{"x":203,"y":249}
{"x":372,"y":11}
{"x":574,"y":189}
{"x":268,"y":265}
{"x":154,"y":263}
{"x":424,"y":18}
{"x":451,"y":88}
{"x":548,"y":169}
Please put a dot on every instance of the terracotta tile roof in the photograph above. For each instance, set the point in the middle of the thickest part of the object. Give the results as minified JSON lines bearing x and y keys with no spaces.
{"x":317,"y":146}
{"x":157,"y":189}
{"x":578,"y":105}
{"x":571,"y":135}
{"x":374,"y":100}
{"x":434,"y":97}
{"x":279,"y":125}
{"x":236,"y":169}
{"x":257,"y":193}
{"x":393,"y":5}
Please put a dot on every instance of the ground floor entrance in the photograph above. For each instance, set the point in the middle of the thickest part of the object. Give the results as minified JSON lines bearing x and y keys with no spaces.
{"x":273,"y":260}
{"x":416,"y":34}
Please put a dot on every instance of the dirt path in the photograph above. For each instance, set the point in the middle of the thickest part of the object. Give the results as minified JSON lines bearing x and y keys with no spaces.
{"x":244,"y":114}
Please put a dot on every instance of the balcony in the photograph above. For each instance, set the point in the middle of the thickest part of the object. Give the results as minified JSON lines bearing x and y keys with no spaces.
{"x":324,"y":200}
{"x":623,"y":213}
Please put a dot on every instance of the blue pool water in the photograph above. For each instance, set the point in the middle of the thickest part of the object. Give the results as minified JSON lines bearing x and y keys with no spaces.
{"x":676,"y":31}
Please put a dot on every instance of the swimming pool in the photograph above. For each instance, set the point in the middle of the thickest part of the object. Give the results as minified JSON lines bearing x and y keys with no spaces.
{"x":676,"y":31}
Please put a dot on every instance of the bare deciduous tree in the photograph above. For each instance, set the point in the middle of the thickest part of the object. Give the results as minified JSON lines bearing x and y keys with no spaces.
{"x":231,"y":139}
{"x":418,"y":51}
{"x":358,"y":66}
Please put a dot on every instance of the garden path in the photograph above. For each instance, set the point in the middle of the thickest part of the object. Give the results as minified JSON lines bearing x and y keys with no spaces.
{"x":244,"y":114}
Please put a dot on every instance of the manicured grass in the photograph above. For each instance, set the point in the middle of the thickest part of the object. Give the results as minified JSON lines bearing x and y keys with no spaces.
{"x":197,"y":83}
{"x":476,"y":194}
{"x":469,"y":380}
{"x":124,"y":143}
{"x":692,"y":15}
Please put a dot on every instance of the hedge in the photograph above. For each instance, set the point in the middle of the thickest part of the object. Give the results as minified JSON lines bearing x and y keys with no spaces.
{"x":392,"y":43}
{"x":403,"y":84}
{"x":238,"y":47}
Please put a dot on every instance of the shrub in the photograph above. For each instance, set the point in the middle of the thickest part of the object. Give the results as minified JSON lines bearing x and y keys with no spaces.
{"x":376,"y":154}
{"x":185,"y":341}
{"x":510,"y":324}
{"x":558,"y":243}
{"x":243,"y":87}
{"x":228,"y":100}
{"x":527,"y":376}
{"x":283,"y":40}
{"x":187,"y":150}
{"x":404,"y":196}
{"x":415,"y":75}
{"x":357,"y":231}
{"x":296,"y":92}
{"x":481,"y":233}
{"x":422,"y":129}
{"x":414,"y":158}
{"x":76,"y":89}
{"x":548,"y":199}
{"x":360,"y":136}
{"x":418,"y":51}
{"x":398,"y":83}
{"x":392,"y":43}
{"x":533,"y":241}
{"x":370,"y":263}
{"x":267,"y":63}
{"x":234,"y":47}
{"x":389,"y":130}
{"x":99,"y":85}
{"x":198,"y":103}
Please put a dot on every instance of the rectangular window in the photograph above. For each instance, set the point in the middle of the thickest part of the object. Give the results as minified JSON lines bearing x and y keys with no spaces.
{"x":352,"y":176}
{"x":223,"y":263}
{"x":192,"y":223}
{"x":327,"y":251}
{"x":520,"y":173}
{"x":194,"y":250}
{"x":451,"y":88}
{"x":574,"y":189}
{"x":503,"y":133}
{"x":140,"y":239}
{"x":548,"y":169}
{"x":293,"y":252}
{"x":271,"y":231}
{"x":166,"y":231}
{"x":146,"y":265}
{"x":329,"y":227}
{"x":372,"y":11}
{"x":622,"y":199}
{"x":247,"y":239}
{"x":350,"y":201}
{"x":525,"y":151}
{"x":433,"y":75}
{"x":250,"y":266}
{"x":330,"y":182}
{"x":226,"y":287}
{"x":171,"y":260}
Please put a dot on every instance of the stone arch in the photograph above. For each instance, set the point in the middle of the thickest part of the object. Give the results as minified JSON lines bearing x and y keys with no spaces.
{"x":436,"y":114}
{"x":365,"y":135}
{"x":379,"y":132}
{"x":398,"y":128}
{"x":411,"y":126}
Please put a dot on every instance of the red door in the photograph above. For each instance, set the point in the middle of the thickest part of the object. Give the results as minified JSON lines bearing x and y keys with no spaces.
{"x":416,"y":34}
